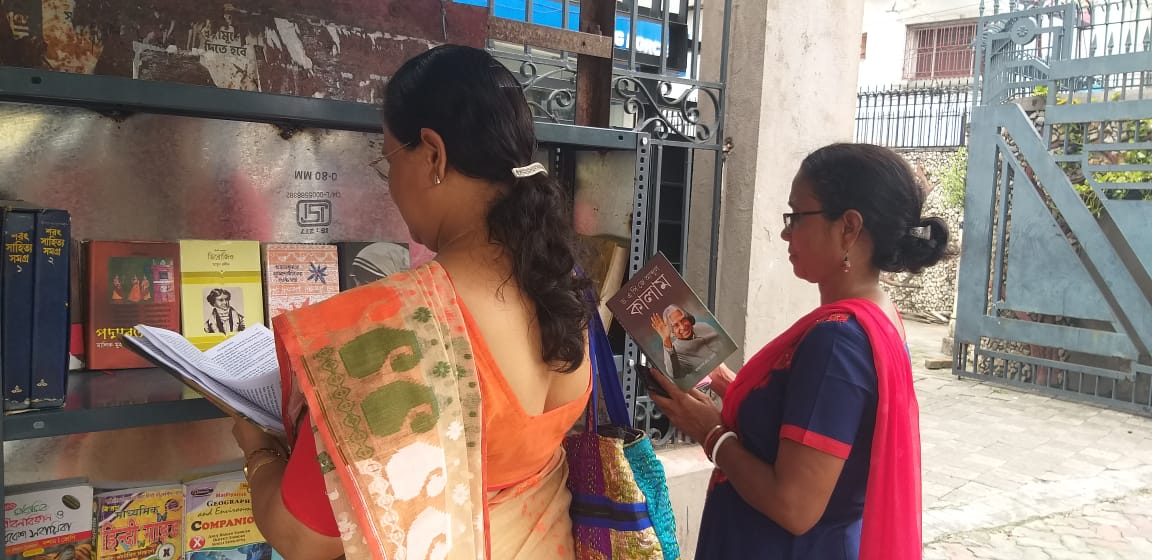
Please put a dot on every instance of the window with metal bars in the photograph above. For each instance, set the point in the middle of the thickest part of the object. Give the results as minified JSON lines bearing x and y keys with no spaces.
{"x":940,"y":50}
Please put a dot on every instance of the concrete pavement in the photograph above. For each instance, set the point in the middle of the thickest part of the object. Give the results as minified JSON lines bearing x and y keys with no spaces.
{"x":1009,"y":474}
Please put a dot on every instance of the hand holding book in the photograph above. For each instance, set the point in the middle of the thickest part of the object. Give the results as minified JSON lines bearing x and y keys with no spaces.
{"x":240,"y":375}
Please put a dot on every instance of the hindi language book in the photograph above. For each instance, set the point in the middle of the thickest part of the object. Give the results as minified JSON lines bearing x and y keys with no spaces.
{"x":140,"y":523}
{"x":678,"y":334}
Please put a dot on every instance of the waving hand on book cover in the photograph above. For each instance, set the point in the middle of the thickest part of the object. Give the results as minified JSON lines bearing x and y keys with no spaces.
{"x":687,"y":345}
{"x":670,"y":324}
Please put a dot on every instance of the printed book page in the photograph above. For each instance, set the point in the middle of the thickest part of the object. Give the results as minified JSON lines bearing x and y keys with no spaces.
{"x":241,"y":375}
{"x":247,"y":364}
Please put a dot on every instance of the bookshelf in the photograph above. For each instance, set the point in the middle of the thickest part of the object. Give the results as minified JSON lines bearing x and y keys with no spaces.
{"x":103,"y":401}
{"x":114,"y":400}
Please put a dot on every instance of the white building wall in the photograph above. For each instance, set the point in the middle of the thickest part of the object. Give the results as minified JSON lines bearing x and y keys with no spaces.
{"x":886,"y":22}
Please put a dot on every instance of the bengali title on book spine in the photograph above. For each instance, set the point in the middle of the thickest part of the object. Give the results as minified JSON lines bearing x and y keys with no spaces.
{"x":19,"y":229}
{"x":51,"y":320}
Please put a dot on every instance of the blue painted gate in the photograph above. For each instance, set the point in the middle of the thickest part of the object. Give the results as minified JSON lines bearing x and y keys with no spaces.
{"x":1055,"y":290}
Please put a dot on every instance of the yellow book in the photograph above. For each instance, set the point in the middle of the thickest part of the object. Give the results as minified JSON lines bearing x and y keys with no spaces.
{"x":221,"y":289}
{"x":218,"y":524}
{"x":140,"y":523}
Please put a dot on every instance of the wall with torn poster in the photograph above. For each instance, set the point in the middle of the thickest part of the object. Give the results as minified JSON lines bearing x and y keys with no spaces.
{"x":339,"y":49}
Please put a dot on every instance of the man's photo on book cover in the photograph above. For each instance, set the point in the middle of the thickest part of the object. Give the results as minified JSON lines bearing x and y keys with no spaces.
{"x":675,"y":331}
{"x":222,"y":310}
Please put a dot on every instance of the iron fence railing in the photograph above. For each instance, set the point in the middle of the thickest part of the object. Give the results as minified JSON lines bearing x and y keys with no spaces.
{"x":921,"y":116}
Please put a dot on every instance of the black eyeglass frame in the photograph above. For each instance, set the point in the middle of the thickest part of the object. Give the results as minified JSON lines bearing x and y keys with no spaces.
{"x":790,"y":217}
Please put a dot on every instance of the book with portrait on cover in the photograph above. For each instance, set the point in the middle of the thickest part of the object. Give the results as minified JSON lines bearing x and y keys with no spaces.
{"x":678,"y":334}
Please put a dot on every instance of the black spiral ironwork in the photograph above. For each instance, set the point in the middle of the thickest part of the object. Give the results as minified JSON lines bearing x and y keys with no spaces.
{"x":691,"y":116}
{"x":664,"y":115}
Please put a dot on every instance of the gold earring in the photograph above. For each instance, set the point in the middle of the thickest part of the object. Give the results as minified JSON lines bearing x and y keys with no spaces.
{"x":436,"y":179}
{"x":846,"y":265}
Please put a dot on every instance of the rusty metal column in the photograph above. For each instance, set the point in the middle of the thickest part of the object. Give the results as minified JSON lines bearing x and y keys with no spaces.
{"x":594,"y":74}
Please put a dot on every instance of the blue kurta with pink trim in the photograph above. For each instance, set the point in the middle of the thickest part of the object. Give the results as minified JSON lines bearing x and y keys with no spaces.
{"x":826,"y":399}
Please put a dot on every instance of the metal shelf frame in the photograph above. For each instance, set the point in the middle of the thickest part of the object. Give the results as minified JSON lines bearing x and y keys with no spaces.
{"x":62,"y":421}
{"x":116,"y":94}
{"x":125,"y":95}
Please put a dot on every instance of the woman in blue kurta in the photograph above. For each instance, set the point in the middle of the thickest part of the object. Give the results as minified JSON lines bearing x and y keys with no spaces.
{"x":817,"y":449}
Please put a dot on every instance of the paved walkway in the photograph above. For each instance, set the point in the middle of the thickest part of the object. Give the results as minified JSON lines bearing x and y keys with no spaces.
{"x":1012,"y":475}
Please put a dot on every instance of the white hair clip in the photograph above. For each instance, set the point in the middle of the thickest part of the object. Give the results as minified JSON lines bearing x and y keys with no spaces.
{"x":529,"y":170}
{"x":922,"y":232}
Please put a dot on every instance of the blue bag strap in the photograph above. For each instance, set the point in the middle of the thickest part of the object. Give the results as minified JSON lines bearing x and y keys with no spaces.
{"x":605,"y":376}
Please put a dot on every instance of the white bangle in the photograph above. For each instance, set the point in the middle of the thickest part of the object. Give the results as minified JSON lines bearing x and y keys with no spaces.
{"x":720,"y":441}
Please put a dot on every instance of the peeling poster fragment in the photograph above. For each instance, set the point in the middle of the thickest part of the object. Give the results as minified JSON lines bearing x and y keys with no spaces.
{"x":311,"y":48}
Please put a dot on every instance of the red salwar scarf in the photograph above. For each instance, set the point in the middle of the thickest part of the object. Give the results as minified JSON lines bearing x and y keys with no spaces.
{"x":892,"y":527}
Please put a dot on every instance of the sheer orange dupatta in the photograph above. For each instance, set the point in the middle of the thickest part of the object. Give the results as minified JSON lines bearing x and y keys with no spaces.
{"x":387,"y":374}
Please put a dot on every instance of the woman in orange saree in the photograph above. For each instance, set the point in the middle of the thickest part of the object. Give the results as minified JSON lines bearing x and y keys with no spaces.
{"x":426,"y":411}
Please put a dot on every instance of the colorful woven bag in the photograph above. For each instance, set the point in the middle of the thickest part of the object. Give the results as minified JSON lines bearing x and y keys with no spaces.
{"x":620,"y":505}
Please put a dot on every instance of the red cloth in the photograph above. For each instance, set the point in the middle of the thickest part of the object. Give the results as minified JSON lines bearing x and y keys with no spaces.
{"x":302,"y":488}
{"x":892,"y":526}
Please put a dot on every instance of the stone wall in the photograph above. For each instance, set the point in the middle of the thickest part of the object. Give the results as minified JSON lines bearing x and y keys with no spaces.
{"x":931,"y":294}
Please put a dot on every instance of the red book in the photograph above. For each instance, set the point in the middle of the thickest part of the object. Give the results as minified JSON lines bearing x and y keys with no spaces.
{"x":129,"y":283}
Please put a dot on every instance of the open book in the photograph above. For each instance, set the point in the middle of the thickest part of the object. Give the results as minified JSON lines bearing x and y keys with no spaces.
{"x":239,"y":375}
{"x":670,"y":324}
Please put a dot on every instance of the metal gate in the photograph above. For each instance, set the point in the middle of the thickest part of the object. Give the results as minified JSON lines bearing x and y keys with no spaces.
{"x":1055,"y":290}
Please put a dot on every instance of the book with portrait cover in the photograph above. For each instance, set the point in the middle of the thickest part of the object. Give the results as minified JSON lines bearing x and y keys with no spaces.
{"x":129,"y":283}
{"x":363,"y":262}
{"x":680,"y":337}
{"x":297,"y":275}
{"x":221,"y":289}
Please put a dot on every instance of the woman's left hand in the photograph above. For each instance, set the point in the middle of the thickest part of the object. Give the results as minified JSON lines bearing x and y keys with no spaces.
{"x":250,"y":437}
{"x":691,"y":412}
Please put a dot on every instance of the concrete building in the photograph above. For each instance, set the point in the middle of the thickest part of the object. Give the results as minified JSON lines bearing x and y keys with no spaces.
{"x":910,"y":41}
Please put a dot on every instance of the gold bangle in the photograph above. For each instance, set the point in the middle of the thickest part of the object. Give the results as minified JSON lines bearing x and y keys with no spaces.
{"x":269,"y":450}
{"x":249,"y":472}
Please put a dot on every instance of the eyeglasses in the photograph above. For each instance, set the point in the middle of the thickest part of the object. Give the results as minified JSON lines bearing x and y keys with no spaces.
{"x":382,"y":164}
{"x":790,"y":217}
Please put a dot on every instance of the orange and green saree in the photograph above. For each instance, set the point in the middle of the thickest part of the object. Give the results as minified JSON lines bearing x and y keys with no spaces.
{"x":388,"y":375}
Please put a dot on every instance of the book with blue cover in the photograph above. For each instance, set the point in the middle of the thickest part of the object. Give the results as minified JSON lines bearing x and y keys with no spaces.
{"x":51,"y":319}
{"x":18,"y":281}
